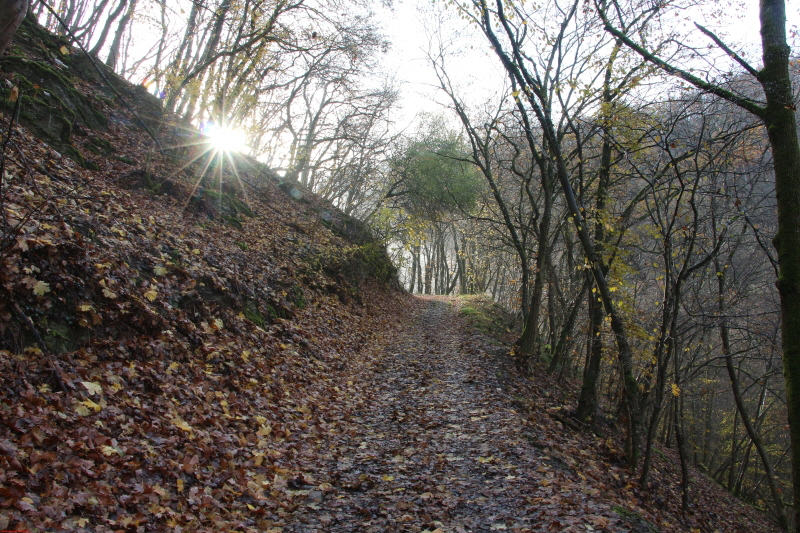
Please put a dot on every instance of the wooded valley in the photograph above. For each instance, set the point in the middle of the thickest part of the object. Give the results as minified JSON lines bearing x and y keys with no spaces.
{"x":629,"y":195}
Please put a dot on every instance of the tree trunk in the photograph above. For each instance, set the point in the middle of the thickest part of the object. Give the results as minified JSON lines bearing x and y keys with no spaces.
{"x":11,"y":14}
{"x":780,"y":120}
{"x":587,"y":403}
{"x":755,"y":439}
{"x":560,"y":348}
{"x":428,"y":272}
{"x":414,"y":267}
{"x":681,"y":442}
{"x":529,"y":342}
{"x":106,"y":28}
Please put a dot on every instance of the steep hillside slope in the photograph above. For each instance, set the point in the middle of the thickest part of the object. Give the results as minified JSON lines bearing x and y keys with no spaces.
{"x":168,"y":341}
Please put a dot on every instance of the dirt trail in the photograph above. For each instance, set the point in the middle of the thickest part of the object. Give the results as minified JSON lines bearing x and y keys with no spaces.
{"x":439,"y":445}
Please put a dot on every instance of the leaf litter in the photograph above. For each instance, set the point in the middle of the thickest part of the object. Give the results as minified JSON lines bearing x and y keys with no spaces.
{"x":445,"y":443}
{"x":253,"y":380}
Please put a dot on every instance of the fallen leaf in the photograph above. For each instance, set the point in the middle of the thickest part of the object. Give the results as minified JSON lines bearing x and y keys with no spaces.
{"x":40,"y":288}
{"x":92,"y":387}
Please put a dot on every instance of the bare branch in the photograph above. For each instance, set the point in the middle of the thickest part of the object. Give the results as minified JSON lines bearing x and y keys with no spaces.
{"x":745,"y":103}
{"x":736,"y":57}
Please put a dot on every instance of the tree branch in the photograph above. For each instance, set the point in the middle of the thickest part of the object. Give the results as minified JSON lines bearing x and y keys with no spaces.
{"x":736,"y":57}
{"x":745,"y":103}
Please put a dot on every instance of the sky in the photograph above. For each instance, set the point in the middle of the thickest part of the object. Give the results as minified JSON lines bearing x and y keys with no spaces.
{"x":409,"y":26}
{"x":409,"y":22}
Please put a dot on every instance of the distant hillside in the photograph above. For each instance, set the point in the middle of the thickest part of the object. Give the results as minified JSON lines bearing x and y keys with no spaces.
{"x":151,"y":305}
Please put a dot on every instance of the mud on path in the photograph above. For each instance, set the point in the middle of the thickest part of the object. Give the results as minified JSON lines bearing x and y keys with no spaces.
{"x":439,"y":446}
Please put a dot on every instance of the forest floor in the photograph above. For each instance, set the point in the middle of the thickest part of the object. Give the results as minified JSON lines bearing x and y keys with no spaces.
{"x":447,"y":441}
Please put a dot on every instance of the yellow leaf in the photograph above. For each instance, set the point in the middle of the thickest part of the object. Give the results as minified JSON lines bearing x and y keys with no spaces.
{"x":173,"y":366}
{"x":160,"y":270}
{"x":246,"y":355}
{"x":387,"y":477}
{"x":109,"y":294}
{"x":151,"y":295}
{"x":110,"y":450}
{"x":258,"y":458}
{"x":14,"y":94}
{"x":196,"y":251}
{"x":40,"y":288}
{"x":82,"y":410}
{"x":92,"y":387}
{"x":181,"y":424}
{"x":675,"y":390}
{"x":64,"y":50}
{"x":85,"y":307}
{"x":180,"y":485}
{"x":264,"y":430}
{"x":91,"y":405}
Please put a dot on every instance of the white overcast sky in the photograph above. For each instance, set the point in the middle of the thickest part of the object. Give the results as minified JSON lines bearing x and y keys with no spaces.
{"x":477,"y":71}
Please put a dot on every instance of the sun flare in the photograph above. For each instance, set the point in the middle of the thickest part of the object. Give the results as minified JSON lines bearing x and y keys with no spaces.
{"x":225,"y":139}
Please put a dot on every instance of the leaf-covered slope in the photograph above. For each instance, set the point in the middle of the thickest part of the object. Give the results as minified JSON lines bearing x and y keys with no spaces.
{"x":169,"y":347}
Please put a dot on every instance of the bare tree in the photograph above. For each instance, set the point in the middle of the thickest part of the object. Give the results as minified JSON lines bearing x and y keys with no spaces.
{"x":778,"y":115}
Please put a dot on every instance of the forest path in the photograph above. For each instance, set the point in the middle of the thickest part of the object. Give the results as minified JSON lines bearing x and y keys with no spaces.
{"x":437,"y":447}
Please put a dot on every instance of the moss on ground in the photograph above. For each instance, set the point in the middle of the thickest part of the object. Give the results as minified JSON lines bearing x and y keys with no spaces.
{"x":488,"y":317}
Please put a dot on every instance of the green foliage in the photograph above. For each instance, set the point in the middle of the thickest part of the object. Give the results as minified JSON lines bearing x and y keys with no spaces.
{"x":486,"y":316}
{"x":435,"y":175}
{"x":356,"y":263}
{"x":252,"y":314}
{"x":100,"y":146}
{"x":299,"y":297}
